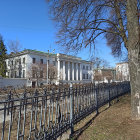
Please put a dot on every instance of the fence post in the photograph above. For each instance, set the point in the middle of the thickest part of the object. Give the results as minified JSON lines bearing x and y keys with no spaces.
{"x":9,"y":99}
{"x":71,"y":110}
{"x":117,"y":93}
{"x":96,"y":88}
{"x":109,"y":95}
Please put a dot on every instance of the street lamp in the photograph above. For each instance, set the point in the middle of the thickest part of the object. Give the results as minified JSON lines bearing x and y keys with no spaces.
{"x":47,"y":67}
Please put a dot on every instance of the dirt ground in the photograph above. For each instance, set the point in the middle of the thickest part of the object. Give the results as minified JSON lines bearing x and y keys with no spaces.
{"x":112,"y":123}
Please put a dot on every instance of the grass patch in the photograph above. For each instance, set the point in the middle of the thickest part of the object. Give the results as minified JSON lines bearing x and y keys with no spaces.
{"x":112,"y":123}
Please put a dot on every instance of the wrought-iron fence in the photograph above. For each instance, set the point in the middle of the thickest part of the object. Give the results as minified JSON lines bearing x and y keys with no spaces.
{"x":47,"y":115}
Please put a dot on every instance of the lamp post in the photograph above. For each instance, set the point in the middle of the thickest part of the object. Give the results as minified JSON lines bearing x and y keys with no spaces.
{"x":47,"y":67}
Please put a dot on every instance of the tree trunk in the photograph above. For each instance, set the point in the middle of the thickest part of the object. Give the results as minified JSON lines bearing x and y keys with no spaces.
{"x":134,"y":67}
{"x":134,"y":56}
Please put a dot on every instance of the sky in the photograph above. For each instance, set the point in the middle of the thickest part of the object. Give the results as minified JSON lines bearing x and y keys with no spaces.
{"x":29,"y":22}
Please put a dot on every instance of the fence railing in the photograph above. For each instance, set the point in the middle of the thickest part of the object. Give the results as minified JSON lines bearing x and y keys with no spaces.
{"x":47,"y":115}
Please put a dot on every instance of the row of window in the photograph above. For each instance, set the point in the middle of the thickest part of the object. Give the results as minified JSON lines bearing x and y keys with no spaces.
{"x":17,"y":61}
{"x":17,"y":74}
{"x":86,"y":76}
{"x":42,"y":62}
{"x":86,"y":67}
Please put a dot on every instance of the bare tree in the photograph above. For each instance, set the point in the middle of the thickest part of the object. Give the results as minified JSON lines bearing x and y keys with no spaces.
{"x":108,"y":75}
{"x":81,"y":22}
{"x":52,"y":73}
{"x":99,"y":63}
{"x":103,"y":74}
{"x":97,"y":76}
{"x":14,"y":59}
{"x":37,"y":73}
{"x":14,"y":46}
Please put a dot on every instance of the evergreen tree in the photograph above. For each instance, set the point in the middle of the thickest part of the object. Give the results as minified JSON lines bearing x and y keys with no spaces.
{"x":3,"y":56}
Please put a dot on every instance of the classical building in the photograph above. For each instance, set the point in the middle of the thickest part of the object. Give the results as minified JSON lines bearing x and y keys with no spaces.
{"x":42,"y":68}
{"x":122,"y":71}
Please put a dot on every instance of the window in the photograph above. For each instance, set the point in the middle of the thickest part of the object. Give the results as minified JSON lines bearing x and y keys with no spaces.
{"x":41,"y":61}
{"x":12,"y":62}
{"x":19,"y":61}
{"x":15,"y":74}
{"x":87,"y":76}
{"x":24,"y":60}
{"x":11,"y":75}
{"x":19,"y":73}
{"x":23,"y":73}
{"x":86,"y":67}
{"x":41,"y":74}
{"x":34,"y":60}
{"x":83,"y":67}
{"x":83,"y":76}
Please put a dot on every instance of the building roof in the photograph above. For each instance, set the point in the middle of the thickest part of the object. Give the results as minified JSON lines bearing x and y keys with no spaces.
{"x":29,"y":51}
{"x":105,"y":69}
{"x":39,"y":52}
{"x":121,"y":63}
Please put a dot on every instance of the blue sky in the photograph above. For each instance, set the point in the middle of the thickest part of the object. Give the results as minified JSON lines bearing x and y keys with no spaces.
{"x":29,"y":22}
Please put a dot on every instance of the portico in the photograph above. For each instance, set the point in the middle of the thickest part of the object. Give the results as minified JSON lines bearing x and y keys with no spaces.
{"x":69,"y":69}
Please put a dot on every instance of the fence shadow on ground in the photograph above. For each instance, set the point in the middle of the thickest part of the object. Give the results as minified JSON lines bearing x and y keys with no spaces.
{"x":80,"y":131}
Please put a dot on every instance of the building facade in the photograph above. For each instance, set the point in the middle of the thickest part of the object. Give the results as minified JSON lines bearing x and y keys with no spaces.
{"x":122,"y":71}
{"x":42,"y":68}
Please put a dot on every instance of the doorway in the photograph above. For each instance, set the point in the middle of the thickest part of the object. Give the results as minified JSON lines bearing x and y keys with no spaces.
{"x":33,"y":84}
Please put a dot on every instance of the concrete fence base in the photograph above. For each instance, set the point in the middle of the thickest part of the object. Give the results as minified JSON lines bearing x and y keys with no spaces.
{"x":13,"y":82}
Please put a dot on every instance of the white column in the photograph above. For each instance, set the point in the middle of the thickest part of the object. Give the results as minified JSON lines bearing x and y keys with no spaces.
{"x":80,"y":72}
{"x":68,"y":71}
{"x":58,"y":68}
{"x":72,"y":71}
{"x":76,"y":71}
{"x":64,"y":75}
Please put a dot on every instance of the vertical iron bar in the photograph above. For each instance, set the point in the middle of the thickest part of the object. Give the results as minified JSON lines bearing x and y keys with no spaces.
{"x":19,"y":121}
{"x":41,"y":114}
{"x":36,"y":110}
{"x":49,"y":113}
{"x":52,"y":109}
{"x":3,"y":128}
{"x":109,"y":95}
{"x":56,"y":104}
{"x":71,"y":109}
{"x":44,"y":121}
{"x":11,"y":121}
{"x":64,"y":106}
{"x":31,"y":120}
{"x":24,"y":122}
{"x":96,"y":98}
